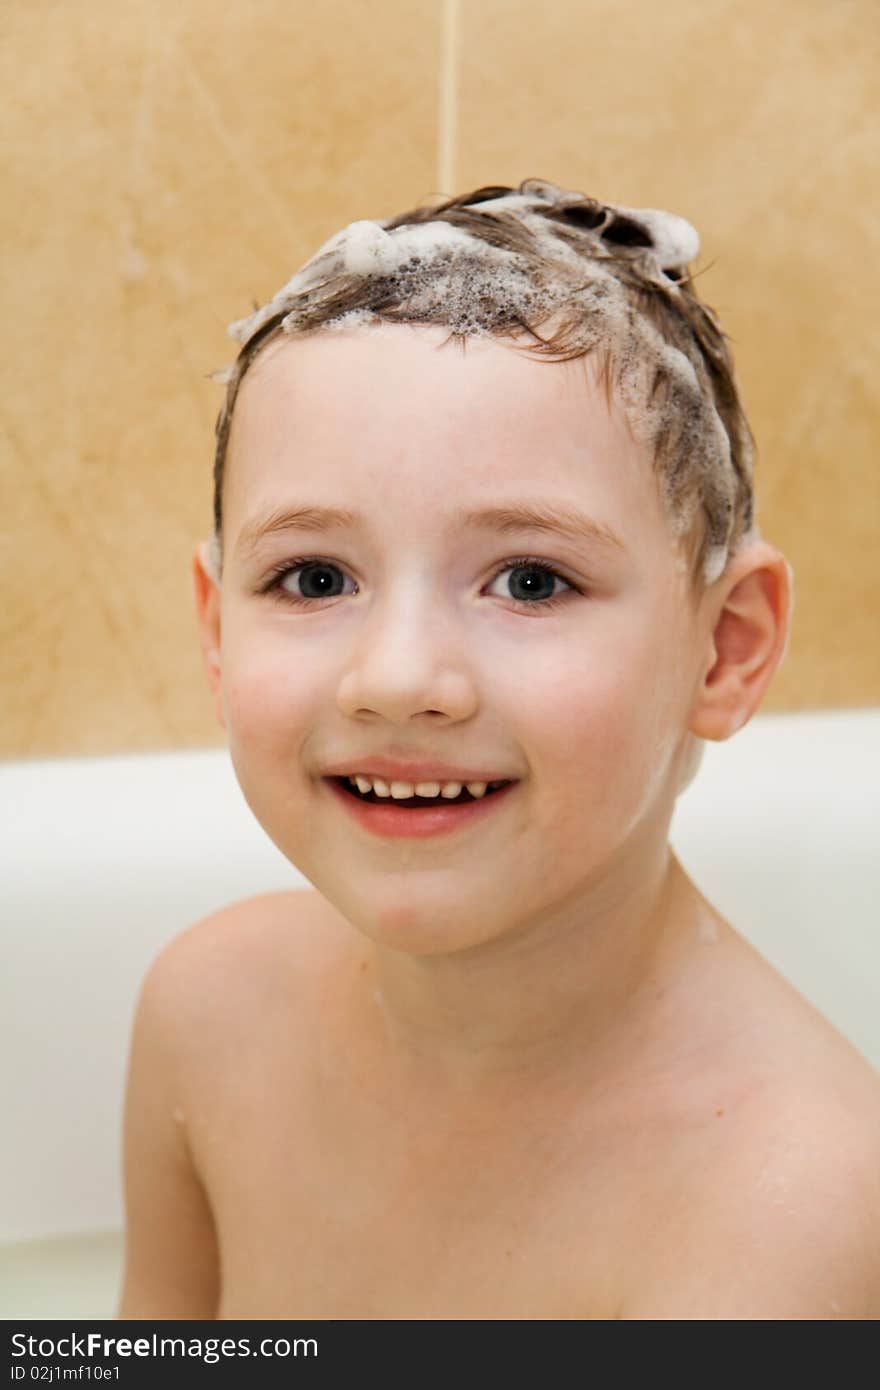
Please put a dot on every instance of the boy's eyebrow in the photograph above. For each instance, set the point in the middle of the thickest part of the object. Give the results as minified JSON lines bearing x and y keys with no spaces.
{"x":512,"y":516}
{"x":541,"y":516}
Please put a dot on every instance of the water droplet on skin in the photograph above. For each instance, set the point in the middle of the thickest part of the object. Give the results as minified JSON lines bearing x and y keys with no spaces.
{"x":707,"y":928}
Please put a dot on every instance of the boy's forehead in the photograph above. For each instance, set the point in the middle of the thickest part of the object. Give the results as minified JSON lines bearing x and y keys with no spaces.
{"x":384,"y":375}
{"x":403,"y":399}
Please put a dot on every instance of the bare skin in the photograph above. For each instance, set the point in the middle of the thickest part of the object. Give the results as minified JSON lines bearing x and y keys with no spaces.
{"x":524,"y":1072}
{"x":286,"y":1160}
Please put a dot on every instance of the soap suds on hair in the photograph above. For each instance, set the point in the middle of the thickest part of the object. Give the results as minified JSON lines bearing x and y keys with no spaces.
{"x":522,"y":258}
{"x":716,"y":559}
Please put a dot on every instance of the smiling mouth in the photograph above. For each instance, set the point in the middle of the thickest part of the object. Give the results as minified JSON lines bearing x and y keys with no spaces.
{"x":416,"y":802}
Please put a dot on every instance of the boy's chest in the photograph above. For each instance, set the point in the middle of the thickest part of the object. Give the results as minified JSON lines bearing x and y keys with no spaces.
{"x":371,"y":1218}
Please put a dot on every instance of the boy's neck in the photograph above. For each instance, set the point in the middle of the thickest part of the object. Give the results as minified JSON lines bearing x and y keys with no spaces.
{"x":565,"y":996}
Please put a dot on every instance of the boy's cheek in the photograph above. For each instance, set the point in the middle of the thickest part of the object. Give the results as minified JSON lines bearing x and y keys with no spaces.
{"x":619,"y":726}
{"x":264,"y":701}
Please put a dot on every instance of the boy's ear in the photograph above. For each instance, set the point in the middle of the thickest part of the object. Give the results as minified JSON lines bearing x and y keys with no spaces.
{"x":207,"y":595}
{"x":749,"y":610}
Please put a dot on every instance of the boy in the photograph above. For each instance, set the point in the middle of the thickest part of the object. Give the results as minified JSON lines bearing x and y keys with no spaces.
{"x":484,"y":575}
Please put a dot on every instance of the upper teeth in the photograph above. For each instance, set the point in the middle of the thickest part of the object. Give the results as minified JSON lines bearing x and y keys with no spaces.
{"x":401,"y":790}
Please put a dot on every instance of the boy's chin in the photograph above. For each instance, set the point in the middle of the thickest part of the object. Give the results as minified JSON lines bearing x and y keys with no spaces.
{"x":422,"y":929}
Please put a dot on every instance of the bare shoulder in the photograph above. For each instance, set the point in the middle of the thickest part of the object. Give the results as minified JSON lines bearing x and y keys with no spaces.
{"x":776,"y":1214}
{"x":785,"y":1227}
{"x":242,"y":984}
{"x":202,"y":1003}
{"x":247,"y":925}
{"x":253,"y":947}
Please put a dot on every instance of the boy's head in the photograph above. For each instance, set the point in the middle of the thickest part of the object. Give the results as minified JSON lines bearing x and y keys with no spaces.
{"x":557,"y":275}
{"x":436,"y":623}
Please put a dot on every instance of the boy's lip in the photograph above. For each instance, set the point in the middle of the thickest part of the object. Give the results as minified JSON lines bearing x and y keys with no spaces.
{"x":412,"y":772}
{"x":394,"y":820}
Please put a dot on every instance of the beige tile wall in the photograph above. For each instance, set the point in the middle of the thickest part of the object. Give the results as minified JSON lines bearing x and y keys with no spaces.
{"x":165,"y":165}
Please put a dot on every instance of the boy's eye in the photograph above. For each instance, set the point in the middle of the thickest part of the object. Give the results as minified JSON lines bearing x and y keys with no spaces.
{"x":317,"y":580}
{"x":306,"y":582}
{"x":532,"y":582}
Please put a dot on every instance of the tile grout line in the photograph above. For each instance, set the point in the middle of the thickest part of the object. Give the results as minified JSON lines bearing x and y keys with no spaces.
{"x":448,"y":112}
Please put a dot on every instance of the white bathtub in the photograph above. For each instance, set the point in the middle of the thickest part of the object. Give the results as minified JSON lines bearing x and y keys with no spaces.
{"x":104,"y":859}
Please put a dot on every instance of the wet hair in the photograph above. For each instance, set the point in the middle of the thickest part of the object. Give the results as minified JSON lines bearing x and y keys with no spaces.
{"x":506,"y":262}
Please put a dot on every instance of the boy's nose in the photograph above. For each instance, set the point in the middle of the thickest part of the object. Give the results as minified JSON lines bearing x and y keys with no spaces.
{"x":406,"y":664}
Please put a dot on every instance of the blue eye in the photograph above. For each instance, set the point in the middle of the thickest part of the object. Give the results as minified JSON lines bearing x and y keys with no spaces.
{"x":533,"y":589}
{"x":319,"y":579}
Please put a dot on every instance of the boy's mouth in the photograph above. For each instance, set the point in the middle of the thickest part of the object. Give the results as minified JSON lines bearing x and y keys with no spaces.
{"x":419,"y":817}
{"x":415,"y":802}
